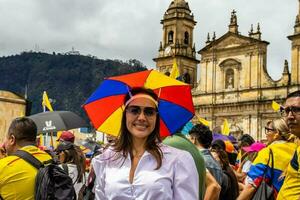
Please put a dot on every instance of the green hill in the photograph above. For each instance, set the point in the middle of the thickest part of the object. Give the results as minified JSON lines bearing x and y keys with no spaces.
{"x":68,"y":79}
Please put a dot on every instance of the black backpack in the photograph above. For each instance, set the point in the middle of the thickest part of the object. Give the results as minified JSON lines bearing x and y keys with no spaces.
{"x":51,"y":182}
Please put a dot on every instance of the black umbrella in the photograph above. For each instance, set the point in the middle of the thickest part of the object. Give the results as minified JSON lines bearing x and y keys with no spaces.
{"x":57,"y":121}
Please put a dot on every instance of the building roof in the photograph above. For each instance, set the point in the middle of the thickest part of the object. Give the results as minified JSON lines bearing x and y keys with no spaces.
{"x":11,"y":96}
{"x":178,"y":4}
{"x":249,"y":40}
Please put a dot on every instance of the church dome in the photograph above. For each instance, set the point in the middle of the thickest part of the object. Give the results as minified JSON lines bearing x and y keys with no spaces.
{"x":179,"y":4}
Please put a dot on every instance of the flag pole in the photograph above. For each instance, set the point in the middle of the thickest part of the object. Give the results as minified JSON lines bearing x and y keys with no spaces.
{"x":42,"y":135}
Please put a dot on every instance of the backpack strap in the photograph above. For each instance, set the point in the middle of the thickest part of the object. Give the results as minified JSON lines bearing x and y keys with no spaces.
{"x":65,"y":167}
{"x":271,"y":157}
{"x":29,"y":158}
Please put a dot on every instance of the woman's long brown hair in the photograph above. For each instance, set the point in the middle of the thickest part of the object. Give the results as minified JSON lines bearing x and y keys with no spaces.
{"x":75,"y":156}
{"x":124,"y":144}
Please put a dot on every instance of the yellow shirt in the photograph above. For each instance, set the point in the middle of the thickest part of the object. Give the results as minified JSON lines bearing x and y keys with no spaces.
{"x":17,"y":177}
{"x":290,"y":189}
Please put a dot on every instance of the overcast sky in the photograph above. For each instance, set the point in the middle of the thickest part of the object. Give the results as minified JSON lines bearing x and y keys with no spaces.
{"x":126,"y":29}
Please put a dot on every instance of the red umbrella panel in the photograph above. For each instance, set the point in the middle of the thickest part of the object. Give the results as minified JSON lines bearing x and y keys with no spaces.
{"x":106,"y":105}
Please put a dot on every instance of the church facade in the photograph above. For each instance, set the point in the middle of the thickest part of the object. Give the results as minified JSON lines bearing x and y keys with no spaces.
{"x":234,"y":81}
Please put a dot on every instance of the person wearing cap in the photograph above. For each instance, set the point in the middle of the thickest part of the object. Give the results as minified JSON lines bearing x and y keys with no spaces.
{"x":231,"y":152}
{"x":66,"y":136}
{"x":291,"y":113}
{"x":243,"y":141}
{"x":255,"y":147}
{"x":137,"y":165}
{"x":282,"y":150}
{"x":251,"y":152}
{"x":72,"y":160}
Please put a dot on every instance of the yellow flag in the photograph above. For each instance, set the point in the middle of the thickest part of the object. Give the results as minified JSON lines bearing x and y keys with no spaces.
{"x":276,"y":106}
{"x":204,"y":121}
{"x":41,"y":139}
{"x":225,"y":129}
{"x":46,"y":101}
{"x":22,"y":114}
{"x":174,"y":71}
{"x":57,"y":138}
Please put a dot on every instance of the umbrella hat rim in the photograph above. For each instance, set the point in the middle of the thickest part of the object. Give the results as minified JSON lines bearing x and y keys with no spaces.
{"x":167,"y":89}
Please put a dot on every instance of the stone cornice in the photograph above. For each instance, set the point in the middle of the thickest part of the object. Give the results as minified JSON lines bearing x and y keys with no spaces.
{"x":177,"y":56}
{"x":10,"y":100}
{"x":196,"y":93}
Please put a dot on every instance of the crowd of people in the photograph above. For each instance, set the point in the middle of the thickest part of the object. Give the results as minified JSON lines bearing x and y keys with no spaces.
{"x":139,"y":164}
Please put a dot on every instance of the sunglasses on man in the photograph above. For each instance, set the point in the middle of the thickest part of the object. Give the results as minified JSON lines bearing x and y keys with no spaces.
{"x":286,"y":110}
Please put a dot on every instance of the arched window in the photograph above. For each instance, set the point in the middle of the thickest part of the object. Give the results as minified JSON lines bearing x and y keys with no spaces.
{"x":186,"y":38}
{"x":170,"y":37}
{"x":229,"y":79}
{"x":186,"y":78}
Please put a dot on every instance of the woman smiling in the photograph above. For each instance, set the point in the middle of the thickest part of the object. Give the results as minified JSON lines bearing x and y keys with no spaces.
{"x":138,"y":165}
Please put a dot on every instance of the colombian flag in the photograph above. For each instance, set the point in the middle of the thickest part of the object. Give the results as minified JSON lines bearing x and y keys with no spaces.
{"x":282,"y":154}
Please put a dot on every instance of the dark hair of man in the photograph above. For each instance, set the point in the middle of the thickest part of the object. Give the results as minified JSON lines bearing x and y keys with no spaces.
{"x":123,"y":143}
{"x":75,"y":156}
{"x":293,"y":94}
{"x":203,"y":135}
{"x":23,"y":129}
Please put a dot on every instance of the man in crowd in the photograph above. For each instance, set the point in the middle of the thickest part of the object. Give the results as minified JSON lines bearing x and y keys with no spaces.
{"x":291,"y":112}
{"x":17,"y":177}
{"x":201,"y":137}
{"x":209,"y":189}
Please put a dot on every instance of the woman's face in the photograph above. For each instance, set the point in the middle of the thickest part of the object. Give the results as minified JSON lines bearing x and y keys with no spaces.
{"x":141,"y":117}
{"x":270,"y":133}
{"x":216,"y":156}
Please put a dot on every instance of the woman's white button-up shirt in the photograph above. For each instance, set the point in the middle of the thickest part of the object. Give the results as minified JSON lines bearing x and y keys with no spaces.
{"x":176,"y":179}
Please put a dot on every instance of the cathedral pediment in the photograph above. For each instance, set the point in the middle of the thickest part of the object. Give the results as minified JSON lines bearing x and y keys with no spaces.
{"x":231,"y":40}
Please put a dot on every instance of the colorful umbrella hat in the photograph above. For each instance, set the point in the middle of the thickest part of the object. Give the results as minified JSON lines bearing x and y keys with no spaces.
{"x":105,"y":106}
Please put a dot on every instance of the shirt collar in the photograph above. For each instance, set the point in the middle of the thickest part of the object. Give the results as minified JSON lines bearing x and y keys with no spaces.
{"x":279,"y":142}
{"x":30,"y":148}
{"x":164,"y":148}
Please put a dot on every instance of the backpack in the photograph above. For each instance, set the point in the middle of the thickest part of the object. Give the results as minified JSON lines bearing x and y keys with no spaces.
{"x":51,"y":182}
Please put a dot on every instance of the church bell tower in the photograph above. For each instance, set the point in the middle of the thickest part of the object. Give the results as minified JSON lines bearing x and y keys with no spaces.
{"x":177,"y":42}
{"x":295,"y":39}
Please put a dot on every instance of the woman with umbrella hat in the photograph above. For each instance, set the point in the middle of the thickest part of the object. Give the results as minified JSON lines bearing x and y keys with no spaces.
{"x":138,"y":165}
